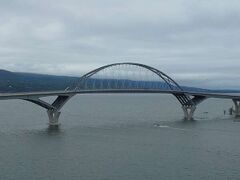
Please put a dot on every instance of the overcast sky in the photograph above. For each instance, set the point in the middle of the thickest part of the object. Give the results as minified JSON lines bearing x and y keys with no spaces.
{"x":197,"y":42}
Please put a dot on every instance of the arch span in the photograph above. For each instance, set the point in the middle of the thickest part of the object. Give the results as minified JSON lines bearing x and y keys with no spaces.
{"x":121,"y":67}
{"x":132,"y":77}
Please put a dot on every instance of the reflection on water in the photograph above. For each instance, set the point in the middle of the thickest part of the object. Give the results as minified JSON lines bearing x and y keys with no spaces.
{"x":119,"y":137}
{"x":53,"y":129}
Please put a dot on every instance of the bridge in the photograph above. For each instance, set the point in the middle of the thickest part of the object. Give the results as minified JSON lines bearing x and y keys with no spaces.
{"x":122,"y":78}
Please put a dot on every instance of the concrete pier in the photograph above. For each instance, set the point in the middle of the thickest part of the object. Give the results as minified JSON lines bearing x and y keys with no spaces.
{"x":237,"y":107}
{"x":188,"y":112}
{"x":53,"y":116}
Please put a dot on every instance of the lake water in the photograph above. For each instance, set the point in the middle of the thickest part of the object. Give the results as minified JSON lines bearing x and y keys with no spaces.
{"x":119,"y":137}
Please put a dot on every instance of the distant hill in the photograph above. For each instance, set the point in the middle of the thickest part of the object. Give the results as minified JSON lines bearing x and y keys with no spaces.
{"x":26,"y":82}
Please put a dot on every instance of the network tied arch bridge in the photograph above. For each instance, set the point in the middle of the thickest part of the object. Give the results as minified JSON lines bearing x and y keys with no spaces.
{"x":121,"y":78}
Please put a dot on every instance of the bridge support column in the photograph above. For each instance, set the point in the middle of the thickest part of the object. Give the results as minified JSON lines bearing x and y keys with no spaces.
{"x":188,"y":112}
{"x":237,"y":107}
{"x":53,"y":117}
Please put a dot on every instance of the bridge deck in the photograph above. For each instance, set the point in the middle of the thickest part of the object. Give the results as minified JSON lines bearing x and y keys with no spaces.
{"x":24,"y":95}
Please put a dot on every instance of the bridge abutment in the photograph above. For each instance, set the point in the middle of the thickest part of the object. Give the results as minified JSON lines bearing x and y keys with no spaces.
{"x":53,"y":116}
{"x":188,"y":112}
{"x":237,"y":107}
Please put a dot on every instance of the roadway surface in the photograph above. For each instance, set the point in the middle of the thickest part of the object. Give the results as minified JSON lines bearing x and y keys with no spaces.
{"x":24,"y":95}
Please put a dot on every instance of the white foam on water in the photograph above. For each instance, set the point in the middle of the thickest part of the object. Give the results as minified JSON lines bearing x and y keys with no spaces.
{"x":169,"y":127}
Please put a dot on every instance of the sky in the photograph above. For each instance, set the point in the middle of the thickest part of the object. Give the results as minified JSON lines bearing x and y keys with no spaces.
{"x":196,"y":42}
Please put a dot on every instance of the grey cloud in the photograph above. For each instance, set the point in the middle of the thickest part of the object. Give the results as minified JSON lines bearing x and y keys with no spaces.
{"x":189,"y":40}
